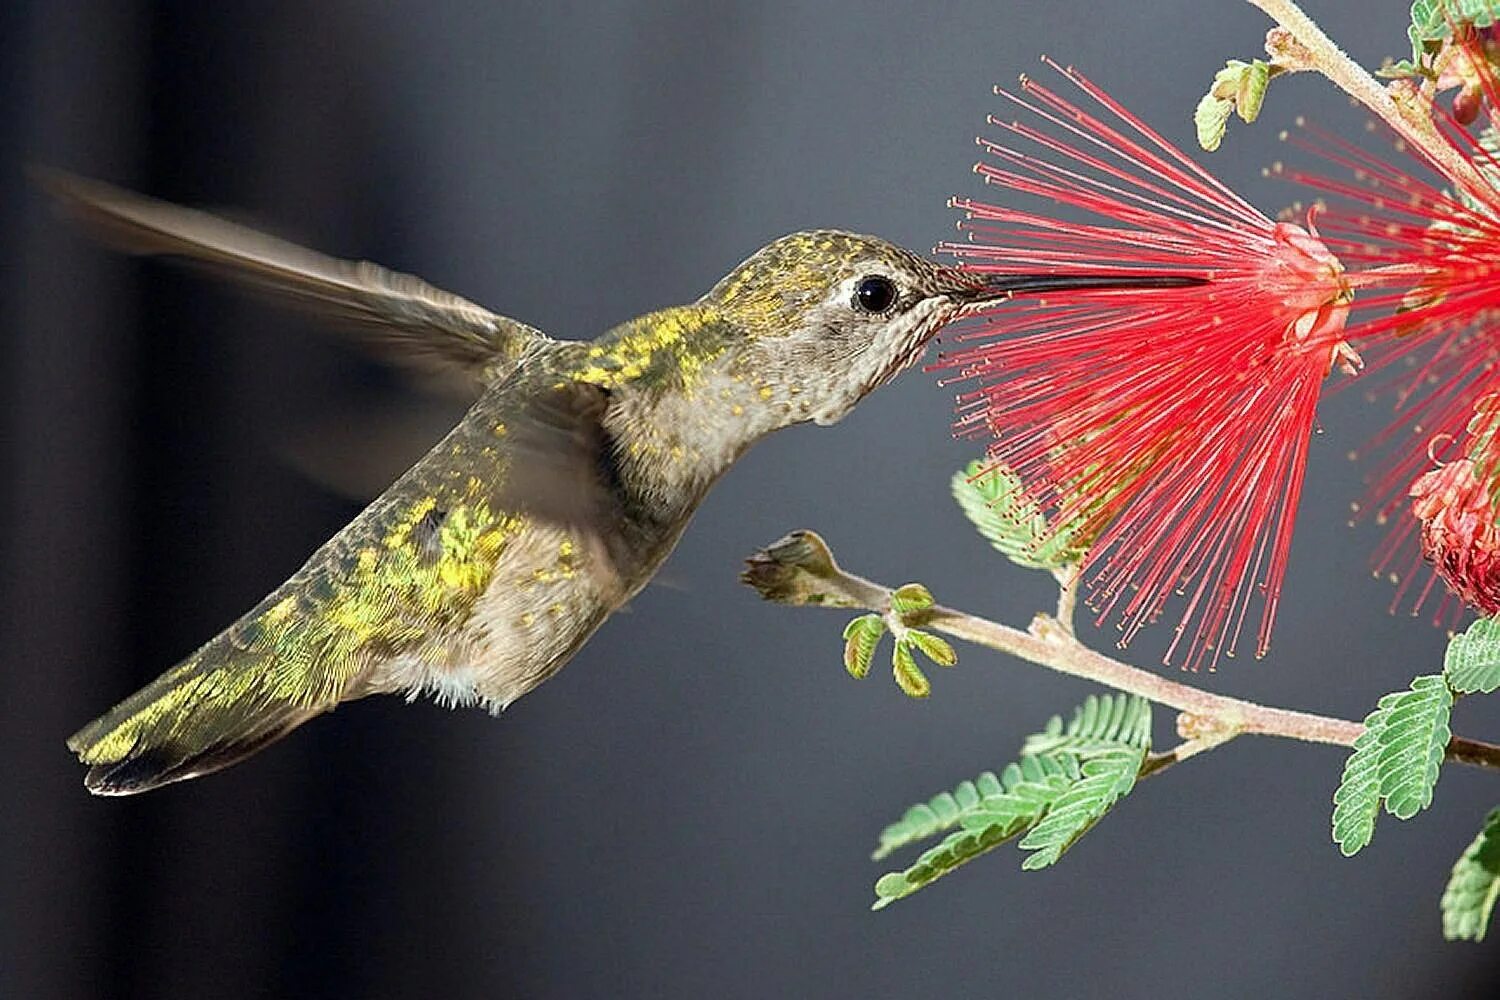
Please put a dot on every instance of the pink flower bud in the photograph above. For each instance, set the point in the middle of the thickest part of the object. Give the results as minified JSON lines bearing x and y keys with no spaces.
{"x":1460,"y":536}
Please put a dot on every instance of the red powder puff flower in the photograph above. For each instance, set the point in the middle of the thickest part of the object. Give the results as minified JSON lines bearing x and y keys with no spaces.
{"x":1170,"y":425}
{"x":1436,"y":253}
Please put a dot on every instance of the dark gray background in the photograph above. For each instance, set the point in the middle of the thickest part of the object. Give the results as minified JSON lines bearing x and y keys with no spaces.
{"x":686,"y":811}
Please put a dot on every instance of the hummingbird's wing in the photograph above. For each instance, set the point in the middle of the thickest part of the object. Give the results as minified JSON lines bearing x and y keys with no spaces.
{"x":517,"y":508}
{"x":414,"y":320}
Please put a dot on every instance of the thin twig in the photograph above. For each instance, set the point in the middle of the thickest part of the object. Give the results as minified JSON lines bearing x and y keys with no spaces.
{"x":800,"y":570}
{"x":1067,"y":596}
{"x":1414,"y":124}
{"x":1156,"y":763}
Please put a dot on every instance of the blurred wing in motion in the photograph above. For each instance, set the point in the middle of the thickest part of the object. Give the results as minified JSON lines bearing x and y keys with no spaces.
{"x":400,"y":312}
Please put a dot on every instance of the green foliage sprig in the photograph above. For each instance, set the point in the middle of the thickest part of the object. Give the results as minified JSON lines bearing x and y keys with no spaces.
{"x":1071,"y":772}
{"x":1049,"y":798}
{"x":993,"y":499}
{"x":1474,"y":885}
{"x":1395,"y":761}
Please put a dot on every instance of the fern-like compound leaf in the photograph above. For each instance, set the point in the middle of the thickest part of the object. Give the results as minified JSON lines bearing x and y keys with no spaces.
{"x":1395,"y":761}
{"x":1099,"y":724}
{"x":1356,"y":803}
{"x":1412,"y":744}
{"x":1008,"y":806}
{"x":1029,"y":787}
{"x":1052,"y":796}
{"x":1472,"y":662}
{"x":942,"y":812}
{"x":995,"y":502}
{"x":1107,"y":778}
{"x":1474,"y":885}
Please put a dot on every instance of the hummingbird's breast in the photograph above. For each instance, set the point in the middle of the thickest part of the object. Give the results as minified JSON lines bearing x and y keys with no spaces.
{"x":550,"y":590}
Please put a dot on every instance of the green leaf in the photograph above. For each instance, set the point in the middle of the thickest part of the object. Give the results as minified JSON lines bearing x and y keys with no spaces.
{"x":910,"y":597}
{"x":1472,"y":662}
{"x":939,"y":651}
{"x":861,"y":636}
{"x":1412,"y":744}
{"x":1027,"y":788}
{"x":1432,"y":21}
{"x":1356,"y":803}
{"x":1238,"y":88}
{"x":1395,"y":761}
{"x":1250,"y":90}
{"x":1107,"y":778}
{"x":1211,"y":120}
{"x":1008,"y":805}
{"x":942,"y":812}
{"x":1097,"y":726}
{"x":1472,"y":889}
{"x":994,"y":500}
{"x":1052,"y":797}
{"x":909,"y":676}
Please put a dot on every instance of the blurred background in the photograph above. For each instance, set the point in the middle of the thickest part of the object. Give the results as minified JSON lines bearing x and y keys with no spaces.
{"x":687,"y":810}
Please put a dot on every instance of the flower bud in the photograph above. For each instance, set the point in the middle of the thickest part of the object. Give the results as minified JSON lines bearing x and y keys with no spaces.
{"x":1459,"y":532}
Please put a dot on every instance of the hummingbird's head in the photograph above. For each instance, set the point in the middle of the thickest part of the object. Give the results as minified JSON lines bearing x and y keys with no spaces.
{"x":829,"y":316}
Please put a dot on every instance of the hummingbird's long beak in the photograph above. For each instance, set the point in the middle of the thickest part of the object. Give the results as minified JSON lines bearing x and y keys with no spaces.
{"x":974,"y":292}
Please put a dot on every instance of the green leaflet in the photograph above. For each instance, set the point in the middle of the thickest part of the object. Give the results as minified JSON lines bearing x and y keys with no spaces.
{"x":1412,"y":744}
{"x":1052,"y":798}
{"x":1211,"y":120}
{"x":1250,"y":90}
{"x":1472,"y":662}
{"x":1356,"y":803}
{"x":1007,"y":806}
{"x":943,"y":811}
{"x":1472,"y":889}
{"x":995,"y":502}
{"x":909,"y":677}
{"x":910,"y":597}
{"x":1395,"y":761}
{"x":861,"y":636}
{"x":938,"y":650}
{"x":1238,"y":88}
{"x":1098,"y":725}
{"x":1430,"y":21}
{"x":1108,"y":776}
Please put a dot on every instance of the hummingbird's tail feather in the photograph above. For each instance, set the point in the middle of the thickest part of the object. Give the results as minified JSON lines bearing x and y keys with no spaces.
{"x":244,"y":690}
{"x":153,"y":766}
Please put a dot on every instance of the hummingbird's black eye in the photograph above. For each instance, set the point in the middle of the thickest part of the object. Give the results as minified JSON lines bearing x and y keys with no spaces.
{"x":875,"y":294}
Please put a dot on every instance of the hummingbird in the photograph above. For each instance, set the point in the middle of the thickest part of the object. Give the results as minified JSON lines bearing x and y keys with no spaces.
{"x":485,"y":567}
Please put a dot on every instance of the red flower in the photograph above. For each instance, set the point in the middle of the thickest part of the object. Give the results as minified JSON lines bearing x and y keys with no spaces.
{"x":1434,"y":257}
{"x":1172,"y":424}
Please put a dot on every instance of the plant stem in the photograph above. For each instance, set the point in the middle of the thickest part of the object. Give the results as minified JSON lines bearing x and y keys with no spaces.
{"x":800,"y":570}
{"x":1414,"y":124}
{"x":1067,"y":596}
{"x":1158,"y":762}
